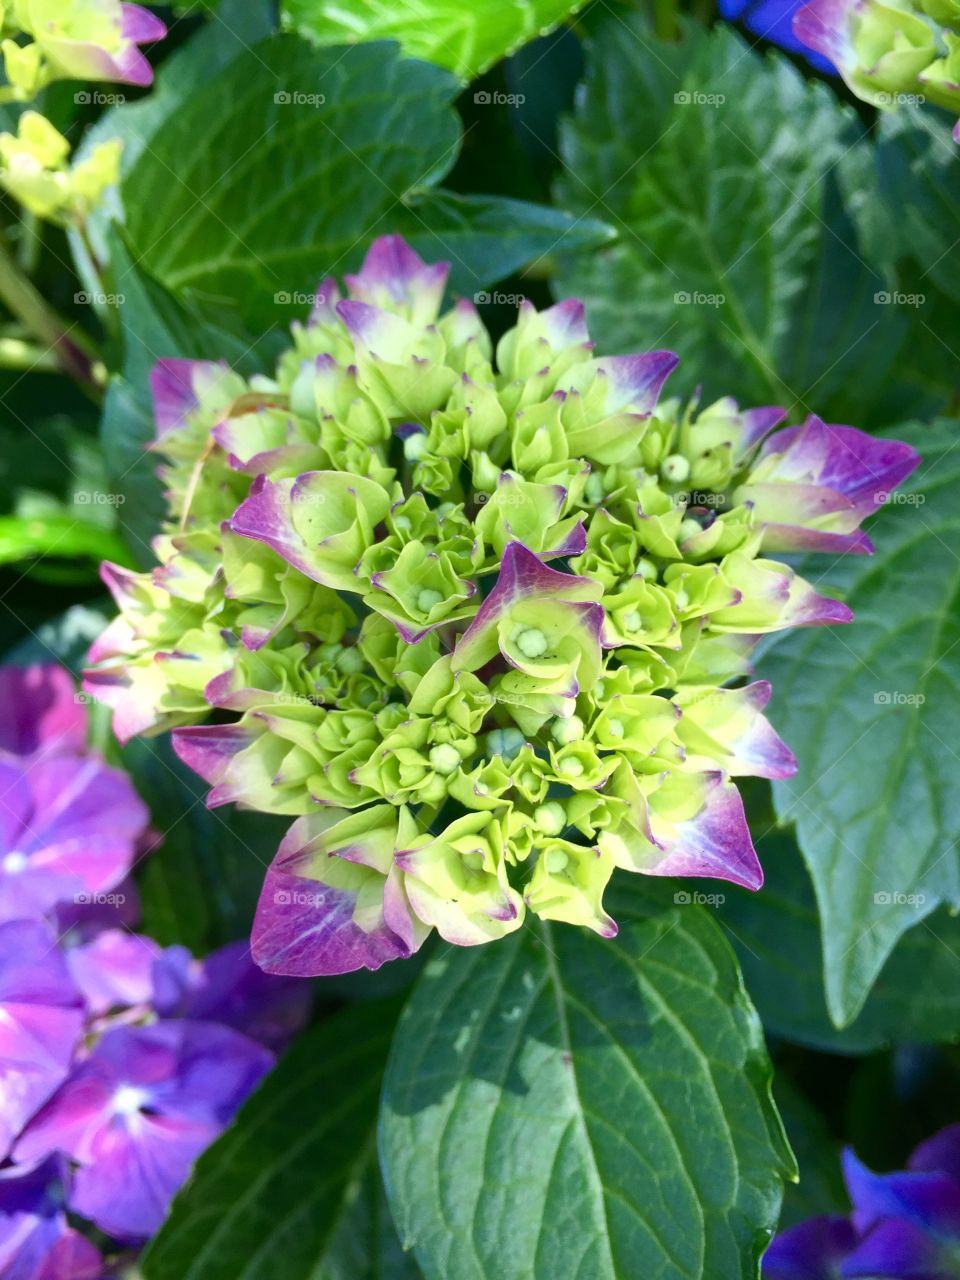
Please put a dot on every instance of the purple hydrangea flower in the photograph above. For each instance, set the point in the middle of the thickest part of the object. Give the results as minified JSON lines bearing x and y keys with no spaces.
{"x":138,"y":1111}
{"x":36,"y":1242}
{"x":41,"y":711}
{"x":904,"y":1225}
{"x":69,"y":828}
{"x":227,"y":987}
{"x":41,"y":1017}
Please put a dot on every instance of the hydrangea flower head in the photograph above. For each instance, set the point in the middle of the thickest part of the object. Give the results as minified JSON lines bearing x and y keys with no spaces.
{"x":477,"y":619}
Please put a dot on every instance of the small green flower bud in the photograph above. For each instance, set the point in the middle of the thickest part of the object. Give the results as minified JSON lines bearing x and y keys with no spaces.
{"x":532,"y":643}
{"x":675,"y":468}
{"x":504,"y":742}
{"x":444,"y":758}
{"x":566,"y":731}
{"x":550,"y":818}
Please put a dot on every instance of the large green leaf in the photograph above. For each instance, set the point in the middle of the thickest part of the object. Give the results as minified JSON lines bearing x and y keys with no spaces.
{"x":316,"y":151}
{"x":291,"y":1191}
{"x":465,"y":38}
{"x":776,"y":934}
{"x":560,"y":1105}
{"x":716,"y":166}
{"x":871,"y":712}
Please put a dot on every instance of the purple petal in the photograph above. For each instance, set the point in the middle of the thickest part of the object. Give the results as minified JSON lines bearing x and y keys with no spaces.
{"x":140,"y":25}
{"x":35,"y":1241}
{"x":305,"y":929}
{"x":761,"y":750}
{"x":930,"y":1200}
{"x":41,"y":711}
{"x":208,"y":749}
{"x":114,"y":970}
{"x":76,"y":831}
{"x":565,"y":324}
{"x":757,"y":423}
{"x":941,"y":1153}
{"x":228,"y":988}
{"x":395,"y":272}
{"x":864,"y":468}
{"x":522,"y":576}
{"x":809,"y":1251}
{"x":136,"y":1113}
{"x":825,"y":27}
{"x":41,"y":1023}
{"x":899,"y":1250}
{"x":714,"y":843}
{"x":637,"y":380}
{"x":175,"y":387}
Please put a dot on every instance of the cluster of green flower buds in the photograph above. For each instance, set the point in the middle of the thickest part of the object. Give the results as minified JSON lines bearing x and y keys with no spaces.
{"x":477,"y":620}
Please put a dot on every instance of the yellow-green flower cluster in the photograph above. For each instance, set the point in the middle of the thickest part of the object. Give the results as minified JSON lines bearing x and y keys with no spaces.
{"x":478,"y":620}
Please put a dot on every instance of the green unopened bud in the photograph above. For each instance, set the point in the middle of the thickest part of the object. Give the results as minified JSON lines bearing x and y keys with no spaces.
{"x":427,"y":599}
{"x":415,"y":446}
{"x":555,"y":861}
{"x":532,"y":643}
{"x":675,"y":468}
{"x":647,"y":569}
{"x":566,"y":731}
{"x":444,"y":758}
{"x":550,"y":818}
{"x":350,"y":661}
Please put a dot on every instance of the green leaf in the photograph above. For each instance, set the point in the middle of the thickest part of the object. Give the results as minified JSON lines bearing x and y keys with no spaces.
{"x":41,"y":537}
{"x":200,"y":887}
{"x":316,"y":152}
{"x":465,"y":38}
{"x":820,"y":1189}
{"x":560,"y":1105}
{"x":776,"y":934}
{"x":919,"y":190}
{"x":291,"y":1191}
{"x":497,"y":232}
{"x":238,"y":25}
{"x":715,"y":164}
{"x":871,"y":712}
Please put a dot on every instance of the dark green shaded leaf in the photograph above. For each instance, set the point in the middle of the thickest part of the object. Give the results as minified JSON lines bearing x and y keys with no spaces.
{"x":715,"y":164}
{"x":557,"y":1104}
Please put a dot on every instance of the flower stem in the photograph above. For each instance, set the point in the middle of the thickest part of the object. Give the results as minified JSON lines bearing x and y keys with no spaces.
{"x":66,"y":343}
